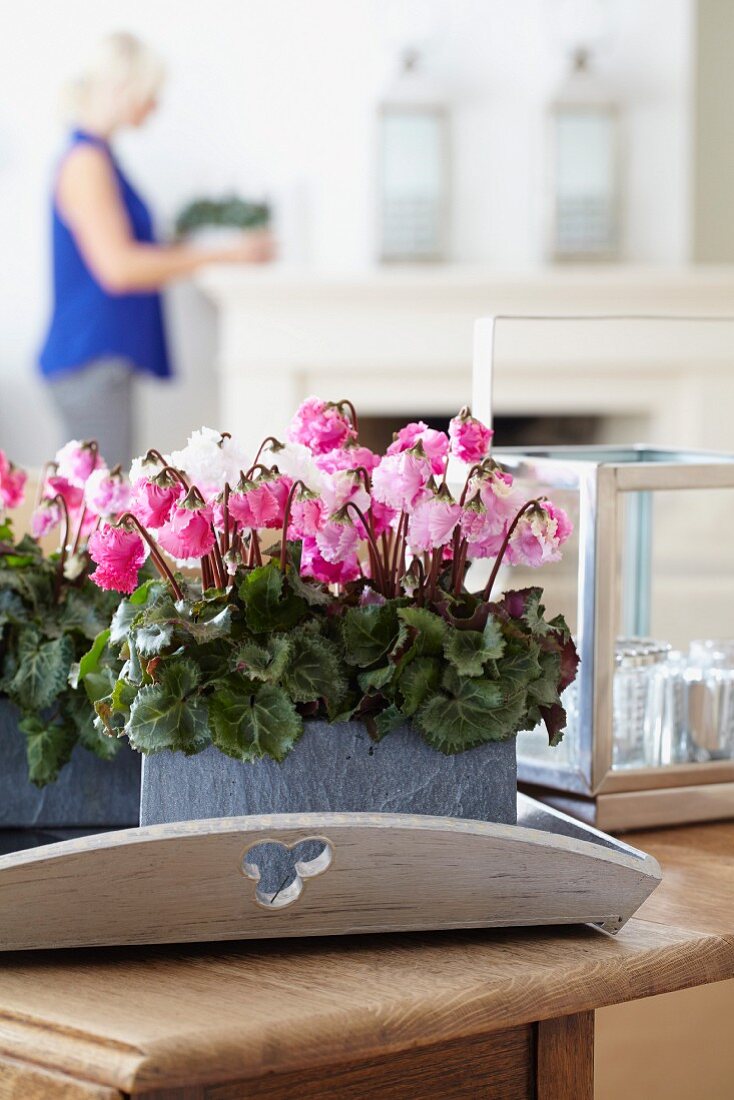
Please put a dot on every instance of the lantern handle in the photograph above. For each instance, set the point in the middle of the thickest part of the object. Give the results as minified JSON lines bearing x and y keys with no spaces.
{"x":485,"y":330}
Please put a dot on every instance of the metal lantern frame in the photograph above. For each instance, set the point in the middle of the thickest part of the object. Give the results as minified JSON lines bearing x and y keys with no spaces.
{"x":608,"y":480}
{"x":607,"y":484}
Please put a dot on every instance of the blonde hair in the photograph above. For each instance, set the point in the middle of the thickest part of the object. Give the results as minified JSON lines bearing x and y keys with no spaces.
{"x":122,"y":75}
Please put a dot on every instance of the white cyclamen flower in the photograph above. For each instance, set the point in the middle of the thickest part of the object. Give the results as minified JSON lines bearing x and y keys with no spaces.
{"x":209,"y":459}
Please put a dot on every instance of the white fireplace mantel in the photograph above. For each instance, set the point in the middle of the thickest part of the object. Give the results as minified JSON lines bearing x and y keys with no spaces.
{"x":399,"y":341}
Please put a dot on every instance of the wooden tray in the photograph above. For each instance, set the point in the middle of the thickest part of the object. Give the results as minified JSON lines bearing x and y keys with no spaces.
{"x":199,"y":880}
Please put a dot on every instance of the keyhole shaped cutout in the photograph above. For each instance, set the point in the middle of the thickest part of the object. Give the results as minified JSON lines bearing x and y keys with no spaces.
{"x":280,"y":870}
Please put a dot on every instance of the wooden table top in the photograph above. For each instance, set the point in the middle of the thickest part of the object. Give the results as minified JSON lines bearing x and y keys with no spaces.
{"x":141,"y":1018}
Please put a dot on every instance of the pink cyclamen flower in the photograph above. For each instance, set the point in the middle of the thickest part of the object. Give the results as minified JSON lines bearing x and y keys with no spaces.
{"x":400,"y":480}
{"x":45,"y":518}
{"x":338,"y":540}
{"x":307,"y":517}
{"x":106,"y":493}
{"x":59,"y":486}
{"x":341,"y":488}
{"x":152,"y":503}
{"x":383,"y":517}
{"x":432,"y":523}
{"x":313,"y":564}
{"x":188,"y":533}
{"x":118,"y":555}
{"x":347,"y":458}
{"x":435,"y":444}
{"x":75,"y":461}
{"x":489,"y":512}
{"x":256,"y":504}
{"x":484,"y":531}
{"x":12,"y":483}
{"x":539,"y":535}
{"x":470,"y":439}
{"x":321,"y":426}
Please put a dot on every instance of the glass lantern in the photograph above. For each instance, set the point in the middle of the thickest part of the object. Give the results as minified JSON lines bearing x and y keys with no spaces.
{"x":413,"y":174}
{"x":650,"y":735}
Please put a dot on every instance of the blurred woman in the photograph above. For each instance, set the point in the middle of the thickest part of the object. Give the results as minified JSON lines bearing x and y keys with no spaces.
{"x":107,"y":321}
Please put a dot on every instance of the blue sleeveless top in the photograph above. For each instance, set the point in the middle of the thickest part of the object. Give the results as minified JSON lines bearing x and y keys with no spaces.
{"x":88,"y":321}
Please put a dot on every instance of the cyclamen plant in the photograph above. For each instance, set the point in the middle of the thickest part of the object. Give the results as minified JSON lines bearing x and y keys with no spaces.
{"x":50,"y":612}
{"x":333,"y":584}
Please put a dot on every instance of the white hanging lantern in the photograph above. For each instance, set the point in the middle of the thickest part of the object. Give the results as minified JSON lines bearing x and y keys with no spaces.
{"x":413,"y":175}
{"x":584,"y":202}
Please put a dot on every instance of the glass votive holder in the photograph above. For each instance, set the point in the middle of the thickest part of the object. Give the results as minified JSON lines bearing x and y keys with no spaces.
{"x":710,"y":681}
{"x":638,"y":693}
{"x":668,"y":739}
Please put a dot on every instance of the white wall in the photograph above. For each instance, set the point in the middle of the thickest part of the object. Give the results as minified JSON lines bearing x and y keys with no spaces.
{"x":277,"y":97}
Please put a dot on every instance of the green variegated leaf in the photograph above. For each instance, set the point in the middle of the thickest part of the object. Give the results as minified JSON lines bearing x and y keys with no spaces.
{"x":180,"y":676}
{"x":160,"y":720}
{"x":431,"y":629}
{"x":478,"y":712}
{"x":90,"y":662}
{"x":49,"y":746}
{"x":519,"y":666}
{"x":533,"y":614}
{"x":262,"y":662}
{"x":81,"y":612}
{"x":142,"y":593}
{"x":128,"y":609}
{"x":375,"y":679}
{"x":153,"y":638}
{"x":210,"y":627}
{"x":420,"y":679}
{"x":12,"y":608}
{"x":254,"y":721}
{"x":369,"y":632}
{"x":43,"y":670}
{"x":544,"y":690}
{"x":385,"y":722}
{"x":470,"y":650}
{"x":79,"y":711}
{"x":314,"y":670}
{"x":122,"y":620}
{"x":270,"y":603}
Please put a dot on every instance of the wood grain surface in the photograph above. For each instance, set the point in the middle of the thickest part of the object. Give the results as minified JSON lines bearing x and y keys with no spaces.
{"x":137,"y":1019}
{"x":192,"y":881}
{"x":565,"y":1058}
{"x":19,"y":1081}
{"x":499,"y":1066}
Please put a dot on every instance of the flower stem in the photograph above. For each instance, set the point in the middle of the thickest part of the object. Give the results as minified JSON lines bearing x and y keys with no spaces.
{"x":474,"y":470}
{"x":263,"y":445}
{"x":179,"y":477}
{"x":161,"y":566}
{"x":394,"y":567}
{"x":286,"y":520}
{"x":503,"y":548}
{"x":374,"y":549}
{"x":220,"y":574}
{"x":225,"y":516}
{"x":352,"y":412}
{"x":80,"y":525}
{"x":64,"y":545}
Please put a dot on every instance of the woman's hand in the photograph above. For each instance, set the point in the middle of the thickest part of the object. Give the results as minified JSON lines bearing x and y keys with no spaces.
{"x":257,"y":247}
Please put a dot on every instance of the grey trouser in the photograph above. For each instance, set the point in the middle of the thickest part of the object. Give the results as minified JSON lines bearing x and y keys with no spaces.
{"x":95,"y":402}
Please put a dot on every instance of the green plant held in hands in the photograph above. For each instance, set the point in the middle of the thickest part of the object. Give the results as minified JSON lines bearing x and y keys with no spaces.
{"x":232,"y":212}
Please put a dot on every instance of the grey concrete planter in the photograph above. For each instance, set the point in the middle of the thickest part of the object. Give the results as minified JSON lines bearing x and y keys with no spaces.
{"x":88,"y":793}
{"x":333,"y":769}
